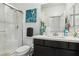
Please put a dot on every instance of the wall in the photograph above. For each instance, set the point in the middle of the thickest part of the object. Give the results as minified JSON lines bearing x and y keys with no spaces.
{"x":28,"y":40}
{"x":24,"y":7}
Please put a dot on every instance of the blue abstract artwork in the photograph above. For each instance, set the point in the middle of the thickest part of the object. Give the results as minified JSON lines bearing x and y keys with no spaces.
{"x":31,"y":15}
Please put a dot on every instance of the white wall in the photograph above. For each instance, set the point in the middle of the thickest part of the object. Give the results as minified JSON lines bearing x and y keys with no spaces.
{"x":24,"y":7}
{"x":28,"y":40}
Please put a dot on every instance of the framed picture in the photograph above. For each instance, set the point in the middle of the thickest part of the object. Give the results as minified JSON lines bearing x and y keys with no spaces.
{"x":31,"y":15}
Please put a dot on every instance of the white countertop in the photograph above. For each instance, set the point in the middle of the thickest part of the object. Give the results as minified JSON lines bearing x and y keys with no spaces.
{"x":57,"y":38}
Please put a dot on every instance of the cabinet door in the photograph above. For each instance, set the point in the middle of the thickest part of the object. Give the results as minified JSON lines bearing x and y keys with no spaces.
{"x":65,"y":52}
{"x":51,"y":43}
{"x":44,"y":51}
{"x":74,"y":46}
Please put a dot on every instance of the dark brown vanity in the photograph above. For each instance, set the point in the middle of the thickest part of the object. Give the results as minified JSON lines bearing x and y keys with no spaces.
{"x":44,"y":47}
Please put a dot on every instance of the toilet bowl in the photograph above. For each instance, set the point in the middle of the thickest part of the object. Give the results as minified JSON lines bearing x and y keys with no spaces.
{"x":22,"y":51}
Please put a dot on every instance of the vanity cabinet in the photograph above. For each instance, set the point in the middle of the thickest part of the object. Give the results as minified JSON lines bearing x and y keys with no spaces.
{"x":44,"y":47}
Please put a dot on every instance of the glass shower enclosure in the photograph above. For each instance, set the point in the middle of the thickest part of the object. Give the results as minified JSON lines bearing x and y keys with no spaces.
{"x":10,"y":29}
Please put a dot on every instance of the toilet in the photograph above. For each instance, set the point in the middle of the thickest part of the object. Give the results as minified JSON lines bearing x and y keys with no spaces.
{"x":22,"y":51}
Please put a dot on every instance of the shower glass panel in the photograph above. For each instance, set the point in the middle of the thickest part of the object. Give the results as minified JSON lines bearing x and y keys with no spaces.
{"x":10,"y":41}
{"x":18,"y":28}
{"x":11,"y":30}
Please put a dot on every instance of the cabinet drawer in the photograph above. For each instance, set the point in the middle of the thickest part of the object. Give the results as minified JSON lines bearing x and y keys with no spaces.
{"x":38,"y":42}
{"x":58,"y":44}
{"x":74,"y":46}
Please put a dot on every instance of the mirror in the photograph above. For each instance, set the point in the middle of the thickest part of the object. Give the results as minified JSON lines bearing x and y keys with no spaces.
{"x":76,"y":16}
{"x":53,"y":16}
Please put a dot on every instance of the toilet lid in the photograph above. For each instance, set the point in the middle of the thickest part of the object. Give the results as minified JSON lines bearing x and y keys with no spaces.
{"x":22,"y":49}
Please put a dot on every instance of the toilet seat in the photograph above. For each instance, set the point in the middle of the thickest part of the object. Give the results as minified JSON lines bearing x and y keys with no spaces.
{"x":21,"y":51}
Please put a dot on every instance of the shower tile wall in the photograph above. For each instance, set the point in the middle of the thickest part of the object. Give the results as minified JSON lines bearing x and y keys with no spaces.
{"x":2,"y":32}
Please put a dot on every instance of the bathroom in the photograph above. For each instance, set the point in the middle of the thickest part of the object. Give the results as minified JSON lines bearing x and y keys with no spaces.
{"x":53,"y":27}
